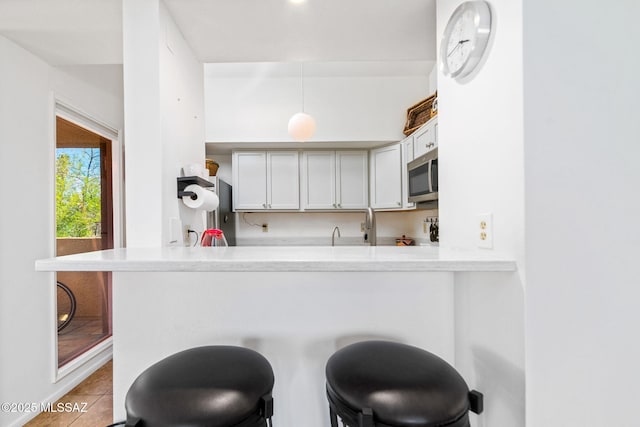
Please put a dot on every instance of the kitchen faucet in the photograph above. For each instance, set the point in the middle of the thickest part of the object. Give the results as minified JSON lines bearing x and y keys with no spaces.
{"x":333,"y":235}
{"x":370,"y":227}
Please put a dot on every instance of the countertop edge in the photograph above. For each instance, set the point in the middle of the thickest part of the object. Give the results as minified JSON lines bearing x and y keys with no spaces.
{"x":279,"y":266}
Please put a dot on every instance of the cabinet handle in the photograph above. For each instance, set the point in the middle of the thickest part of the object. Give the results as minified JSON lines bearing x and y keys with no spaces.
{"x":399,"y":204}
{"x":335,"y":206}
{"x":431,"y":144}
{"x":264,"y":205}
{"x":339,"y":205}
{"x":269,"y":205}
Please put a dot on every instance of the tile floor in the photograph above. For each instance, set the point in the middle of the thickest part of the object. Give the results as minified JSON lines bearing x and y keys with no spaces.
{"x":96,"y":391}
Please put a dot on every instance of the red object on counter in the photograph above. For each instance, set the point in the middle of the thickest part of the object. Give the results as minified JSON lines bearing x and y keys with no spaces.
{"x":213,"y":237}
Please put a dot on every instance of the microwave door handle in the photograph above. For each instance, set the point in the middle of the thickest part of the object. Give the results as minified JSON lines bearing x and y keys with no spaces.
{"x":429,"y":180}
{"x":433,"y":177}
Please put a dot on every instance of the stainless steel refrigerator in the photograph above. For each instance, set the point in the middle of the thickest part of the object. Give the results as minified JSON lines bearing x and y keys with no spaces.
{"x":223,"y":218}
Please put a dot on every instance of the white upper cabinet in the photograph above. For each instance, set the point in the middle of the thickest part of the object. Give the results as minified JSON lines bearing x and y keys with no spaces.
{"x":334,"y":180}
{"x":425,"y":138}
{"x":319,"y":180}
{"x":407,"y":149}
{"x":352,"y":185}
{"x":266,"y":180}
{"x":250,"y":180}
{"x":283,"y":180}
{"x":386,"y":177}
{"x":407,"y":156}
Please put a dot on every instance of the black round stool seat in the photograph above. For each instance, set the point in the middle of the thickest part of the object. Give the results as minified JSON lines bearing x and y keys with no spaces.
{"x":395,"y":385}
{"x":213,"y":386}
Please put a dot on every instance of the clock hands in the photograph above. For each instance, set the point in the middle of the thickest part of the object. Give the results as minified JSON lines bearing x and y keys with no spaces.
{"x":460,"y":43}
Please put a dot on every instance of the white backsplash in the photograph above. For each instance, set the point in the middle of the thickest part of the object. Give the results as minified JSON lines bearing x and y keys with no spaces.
{"x":316,"y":228}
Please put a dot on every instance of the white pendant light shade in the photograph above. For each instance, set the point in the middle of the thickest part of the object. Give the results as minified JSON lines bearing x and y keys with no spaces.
{"x":301,"y":127}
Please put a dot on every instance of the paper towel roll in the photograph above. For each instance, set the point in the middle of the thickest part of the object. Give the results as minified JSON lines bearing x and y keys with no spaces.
{"x":205,"y":199}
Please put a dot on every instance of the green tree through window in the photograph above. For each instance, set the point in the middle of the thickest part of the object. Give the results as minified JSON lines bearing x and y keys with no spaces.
{"x":78,"y":199}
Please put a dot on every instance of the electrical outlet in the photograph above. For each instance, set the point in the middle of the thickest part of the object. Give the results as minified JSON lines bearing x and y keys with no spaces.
{"x":485,"y":231}
{"x":362,"y":224}
{"x":185,"y":233}
{"x":425,"y":228}
{"x":265,"y":228}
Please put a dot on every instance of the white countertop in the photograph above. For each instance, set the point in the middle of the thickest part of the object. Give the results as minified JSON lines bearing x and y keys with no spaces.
{"x":281,"y":258}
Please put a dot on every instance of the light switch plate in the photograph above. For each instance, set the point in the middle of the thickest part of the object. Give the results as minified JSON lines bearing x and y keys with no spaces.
{"x":485,"y":230}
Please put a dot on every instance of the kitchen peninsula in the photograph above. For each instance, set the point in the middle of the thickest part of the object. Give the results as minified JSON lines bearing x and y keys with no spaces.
{"x":295,"y":305}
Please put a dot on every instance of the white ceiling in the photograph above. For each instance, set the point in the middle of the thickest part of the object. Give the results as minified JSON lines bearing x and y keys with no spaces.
{"x":76,"y":32}
{"x":316,"y":30}
{"x":65,"y":32}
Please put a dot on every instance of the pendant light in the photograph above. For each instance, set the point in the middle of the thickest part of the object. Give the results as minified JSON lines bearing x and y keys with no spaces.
{"x":301,"y":125}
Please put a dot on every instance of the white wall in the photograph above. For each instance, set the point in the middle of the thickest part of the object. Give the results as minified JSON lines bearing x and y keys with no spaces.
{"x":82,"y":84}
{"x":481,"y":170}
{"x":581,"y":87}
{"x":141,"y":34}
{"x":182,"y":115}
{"x":27,"y":143}
{"x":250,"y":108}
{"x":164,"y":118}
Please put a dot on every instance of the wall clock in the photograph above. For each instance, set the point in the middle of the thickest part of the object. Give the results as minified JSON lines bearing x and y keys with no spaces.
{"x":465,"y":39}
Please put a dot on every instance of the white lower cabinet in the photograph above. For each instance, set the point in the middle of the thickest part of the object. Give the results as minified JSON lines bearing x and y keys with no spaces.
{"x":386,"y":177}
{"x":266,"y":180}
{"x":334,"y":180}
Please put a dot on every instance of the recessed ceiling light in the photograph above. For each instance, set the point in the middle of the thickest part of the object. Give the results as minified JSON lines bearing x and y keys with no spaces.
{"x":297,"y":1}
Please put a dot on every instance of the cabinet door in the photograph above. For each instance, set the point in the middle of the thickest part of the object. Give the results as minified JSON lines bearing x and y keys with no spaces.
{"x":424,"y":139}
{"x":408,"y":149}
{"x":283,"y":184}
{"x":352,"y":185}
{"x":407,"y":156}
{"x":386,"y":177}
{"x":319,"y":180}
{"x":249,"y":180}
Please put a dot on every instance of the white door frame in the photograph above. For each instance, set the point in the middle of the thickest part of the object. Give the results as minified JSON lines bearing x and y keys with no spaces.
{"x":87,"y":362}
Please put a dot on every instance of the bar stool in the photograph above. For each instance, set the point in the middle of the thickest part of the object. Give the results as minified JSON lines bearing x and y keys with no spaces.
{"x":212,"y":386}
{"x":387,"y":384}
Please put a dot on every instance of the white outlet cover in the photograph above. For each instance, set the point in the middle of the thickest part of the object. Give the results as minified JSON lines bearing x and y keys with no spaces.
{"x":487,"y":220}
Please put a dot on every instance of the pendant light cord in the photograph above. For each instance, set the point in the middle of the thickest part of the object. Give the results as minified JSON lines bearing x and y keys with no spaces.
{"x":302,"y":83}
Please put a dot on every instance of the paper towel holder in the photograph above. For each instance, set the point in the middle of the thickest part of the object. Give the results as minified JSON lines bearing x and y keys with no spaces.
{"x":184,"y":181}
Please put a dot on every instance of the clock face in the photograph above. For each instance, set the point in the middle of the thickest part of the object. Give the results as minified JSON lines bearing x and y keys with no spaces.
{"x":465,"y":38}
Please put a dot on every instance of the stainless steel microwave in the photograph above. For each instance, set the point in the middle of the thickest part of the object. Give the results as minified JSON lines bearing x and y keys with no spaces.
{"x":423,"y":177}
